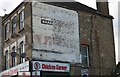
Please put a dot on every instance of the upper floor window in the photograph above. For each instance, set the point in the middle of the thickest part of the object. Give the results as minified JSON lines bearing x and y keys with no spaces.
{"x":6,"y":31}
{"x":13,"y":57}
{"x":21,"y":51}
{"x":6,"y":59}
{"x":14,"y":24}
{"x":21,"y":20}
{"x":85,"y":56}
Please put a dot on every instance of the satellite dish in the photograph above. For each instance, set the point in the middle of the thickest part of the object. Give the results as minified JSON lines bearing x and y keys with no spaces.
{"x":13,"y":54}
{"x":23,"y":55}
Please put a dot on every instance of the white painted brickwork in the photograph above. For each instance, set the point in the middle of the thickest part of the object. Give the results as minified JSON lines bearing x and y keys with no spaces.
{"x":55,"y":33}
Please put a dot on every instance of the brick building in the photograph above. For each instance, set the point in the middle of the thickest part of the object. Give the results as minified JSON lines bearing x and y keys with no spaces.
{"x":0,"y":43}
{"x":58,"y":39}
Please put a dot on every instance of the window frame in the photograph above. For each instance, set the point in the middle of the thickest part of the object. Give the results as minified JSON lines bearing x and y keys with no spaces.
{"x":21,"y":19}
{"x":7,"y":59}
{"x":85,"y":56}
{"x":14,"y":24}
{"x":7,"y":30}
{"x":21,"y":45}
{"x":14,"y":58}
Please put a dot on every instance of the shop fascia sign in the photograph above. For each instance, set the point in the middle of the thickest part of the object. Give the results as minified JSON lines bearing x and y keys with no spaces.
{"x":51,"y":66}
{"x":13,"y":71}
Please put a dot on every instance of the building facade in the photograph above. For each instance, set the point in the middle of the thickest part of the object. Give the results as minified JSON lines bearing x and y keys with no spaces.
{"x":0,"y":43}
{"x":67,"y":39}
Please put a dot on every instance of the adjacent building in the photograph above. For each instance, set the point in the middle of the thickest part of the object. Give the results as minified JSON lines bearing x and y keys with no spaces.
{"x":0,"y":43}
{"x":67,"y":39}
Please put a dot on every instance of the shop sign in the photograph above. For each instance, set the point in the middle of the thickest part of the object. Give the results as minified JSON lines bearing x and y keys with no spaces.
{"x":13,"y":71}
{"x":24,"y":73}
{"x":36,"y":73}
{"x":84,"y":72}
{"x":51,"y":66}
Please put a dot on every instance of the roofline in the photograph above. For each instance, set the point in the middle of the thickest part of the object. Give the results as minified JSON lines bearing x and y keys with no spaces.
{"x":5,"y":17}
{"x":91,"y":10}
{"x":60,"y":4}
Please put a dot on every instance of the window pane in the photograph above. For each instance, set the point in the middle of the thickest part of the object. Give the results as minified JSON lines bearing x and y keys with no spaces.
{"x":13,"y":58}
{"x":21,"y":50}
{"x":84,"y":61}
{"x":85,"y":57}
{"x":21,"y":15}
{"x":84,"y":50}
{"x":7,"y":59}
{"x":14,"y":25}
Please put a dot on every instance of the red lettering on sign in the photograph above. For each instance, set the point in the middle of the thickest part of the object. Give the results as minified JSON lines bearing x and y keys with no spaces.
{"x":53,"y":67}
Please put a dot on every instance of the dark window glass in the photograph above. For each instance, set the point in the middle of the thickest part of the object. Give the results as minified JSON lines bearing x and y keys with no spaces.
{"x":6,"y":59}
{"x":14,"y":25}
{"x":85,"y":56}
{"x":21,"y":20}
{"x":6,"y":31}
{"x":13,"y":58}
{"x":21,"y":51}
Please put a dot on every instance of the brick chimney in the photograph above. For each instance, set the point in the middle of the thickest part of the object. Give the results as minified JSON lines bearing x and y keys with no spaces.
{"x":102,"y":6}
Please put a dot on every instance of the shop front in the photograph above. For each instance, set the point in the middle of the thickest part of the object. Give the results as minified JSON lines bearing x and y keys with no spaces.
{"x":14,"y":71}
{"x":50,"y":69}
{"x":38,"y":69}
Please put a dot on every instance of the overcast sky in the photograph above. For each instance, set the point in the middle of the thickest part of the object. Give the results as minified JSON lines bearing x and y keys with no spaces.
{"x":9,"y":5}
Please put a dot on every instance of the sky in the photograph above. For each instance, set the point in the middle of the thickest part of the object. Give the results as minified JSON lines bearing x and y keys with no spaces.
{"x":6,"y":6}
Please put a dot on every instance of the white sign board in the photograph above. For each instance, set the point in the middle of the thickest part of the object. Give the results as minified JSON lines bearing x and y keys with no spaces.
{"x":51,"y":66}
{"x":84,"y":72}
{"x":55,"y":33}
{"x":24,"y":73}
{"x":13,"y":71}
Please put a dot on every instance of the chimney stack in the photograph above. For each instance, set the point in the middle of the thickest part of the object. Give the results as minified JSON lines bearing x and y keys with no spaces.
{"x":102,"y":6}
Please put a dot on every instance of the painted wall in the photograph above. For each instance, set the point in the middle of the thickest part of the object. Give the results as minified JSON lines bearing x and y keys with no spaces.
{"x":55,"y":33}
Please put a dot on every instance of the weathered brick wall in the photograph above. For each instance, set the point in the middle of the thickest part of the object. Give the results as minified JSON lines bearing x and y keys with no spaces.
{"x":97,"y":32}
{"x":25,"y":32}
{"x":0,"y":43}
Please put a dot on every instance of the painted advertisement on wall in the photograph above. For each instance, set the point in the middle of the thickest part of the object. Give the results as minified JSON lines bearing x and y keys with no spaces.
{"x":55,"y":33}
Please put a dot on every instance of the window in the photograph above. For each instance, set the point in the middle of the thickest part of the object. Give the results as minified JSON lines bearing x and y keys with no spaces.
{"x":14,"y":25}
{"x":6,"y":31}
{"x":85,"y":57}
{"x":13,"y":57}
{"x":21,"y":51}
{"x":6,"y":59}
{"x":21,"y":20}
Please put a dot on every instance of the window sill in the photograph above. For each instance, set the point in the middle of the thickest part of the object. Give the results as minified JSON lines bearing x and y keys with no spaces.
{"x":14,"y":35}
{"x":6,"y":40}
{"x":21,"y":30}
{"x":85,"y":66}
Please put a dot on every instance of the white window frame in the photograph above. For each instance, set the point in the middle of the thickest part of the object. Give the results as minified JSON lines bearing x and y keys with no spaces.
{"x":14,"y":64}
{"x":87,"y":56}
{"x":21,"y":20}
{"x":23,"y":50}
{"x":14,"y":24}
{"x":23,"y":16}
{"x":22,"y":39}
{"x":7,"y":29}
{"x":14,"y":45}
{"x":8,"y":60}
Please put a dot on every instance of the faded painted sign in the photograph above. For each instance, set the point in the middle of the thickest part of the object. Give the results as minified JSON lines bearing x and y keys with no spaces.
{"x":55,"y":33}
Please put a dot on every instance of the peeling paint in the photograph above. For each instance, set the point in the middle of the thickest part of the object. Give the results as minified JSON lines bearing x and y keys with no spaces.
{"x":55,"y":29}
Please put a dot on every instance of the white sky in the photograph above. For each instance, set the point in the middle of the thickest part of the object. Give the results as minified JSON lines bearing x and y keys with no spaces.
{"x":9,"y":5}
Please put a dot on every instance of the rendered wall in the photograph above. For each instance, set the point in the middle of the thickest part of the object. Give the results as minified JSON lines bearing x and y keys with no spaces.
{"x":55,"y":33}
